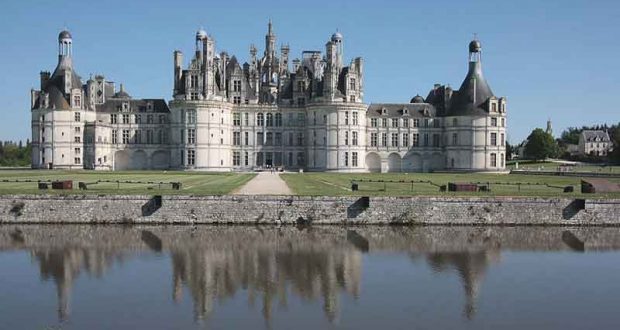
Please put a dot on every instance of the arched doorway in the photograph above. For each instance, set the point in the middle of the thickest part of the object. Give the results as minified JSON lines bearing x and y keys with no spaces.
{"x":121,"y":160}
{"x":412,"y":163}
{"x":373,"y":162}
{"x":160,"y":160}
{"x":394,"y":163}
{"x":139,"y":160}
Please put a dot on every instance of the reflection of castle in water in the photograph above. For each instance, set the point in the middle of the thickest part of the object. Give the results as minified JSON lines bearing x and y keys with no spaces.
{"x":268,"y":273}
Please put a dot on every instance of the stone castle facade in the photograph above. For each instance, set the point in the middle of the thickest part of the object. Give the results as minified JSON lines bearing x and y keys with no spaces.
{"x":226,"y":116}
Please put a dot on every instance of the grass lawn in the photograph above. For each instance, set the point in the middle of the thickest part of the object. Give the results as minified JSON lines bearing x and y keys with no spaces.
{"x":339,"y":184}
{"x":193,"y":183}
{"x":551,"y":166}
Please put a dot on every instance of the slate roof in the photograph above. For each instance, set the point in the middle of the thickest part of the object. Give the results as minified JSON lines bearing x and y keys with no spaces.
{"x":472,"y":95}
{"x":398,"y":109}
{"x":137,"y":105}
{"x":597,"y":135}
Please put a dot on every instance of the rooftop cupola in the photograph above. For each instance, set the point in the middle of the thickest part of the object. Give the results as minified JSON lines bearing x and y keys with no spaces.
{"x":65,"y":42}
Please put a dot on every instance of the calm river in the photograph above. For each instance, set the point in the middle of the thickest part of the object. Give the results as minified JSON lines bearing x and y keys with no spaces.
{"x":216,"y":277}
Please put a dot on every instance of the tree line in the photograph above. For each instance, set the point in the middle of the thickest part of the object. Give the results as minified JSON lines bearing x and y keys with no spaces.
{"x":15,"y":153}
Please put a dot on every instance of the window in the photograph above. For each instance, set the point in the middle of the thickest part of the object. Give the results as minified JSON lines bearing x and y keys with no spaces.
{"x":246,"y":119}
{"x":236,"y":138}
{"x":405,"y":122}
{"x":77,"y":160}
{"x":125,"y":118}
{"x":77,"y":102}
{"x":259,"y":138}
{"x":354,"y":159}
{"x":455,"y":139}
{"x":301,"y":86}
{"x":301,"y":118}
{"x":426,"y":122}
{"x":436,"y":123}
{"x":300,"y":139}
{"x":394,"y":140}
{"x":290,"y":139}
{"x":77,"y":129}
{"x":138,"y":137}
{"x":384,"y":122}
{"x":77,"y":151}
{"x":394,"y":122}
{"x":236,"y":158}
{"x":346,"y":138}
{"x":493,"y":139}
{"x":149,"y":119}
{"x":77,"y":116}
{"x":493,"y":107}
{"x":503,"y":122}
{"x":416,"y":140}
{"x":352,"y":84}
{"x":149,"y":136}
{"x":137,"y":119}
{"x":193,"y":82}
{"x":493,"y":121}
{"x":269,"y":139}
{"x":426,"y":140}
{"x":191,"y":157}
{"x":278,"y":119}
{"x":191,"y":116}
{"x":346,"y":158}
{"x":493,"y":160}
{"x":502,"y":140}
{"x":373,"y":139}
{"x":501,"y":160}
{"x":384,"y":139}
{"x":114,"y":136}
{"x":405,"y":139}
{"x":246,"y":159}
{"x":77,"y":139}
{"x":354,"y":138}
{"x":373,"y":122}
{"x":237,"y":85}
{"x":162,"y":119}
{"x":352,"y":98}
{"x":191,"y":136}
{"x":346,"y":118}
{"x":113,"y":118}
{"x":300,"y":159}
{"x":416,"y":123}
{"x":436,"y":139}
{"x":237,"y":99}
{"x":125,"y":136}
{"x":246,"y":138}
{"x":236,"y":119}
{"x":260,"y":119}
{"x":278,"y":139}
{"x":355,"y":119}
{"x":269,"y":119}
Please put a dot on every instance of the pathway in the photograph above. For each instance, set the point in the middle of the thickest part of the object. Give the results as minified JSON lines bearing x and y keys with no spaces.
{"x":265,"y":183}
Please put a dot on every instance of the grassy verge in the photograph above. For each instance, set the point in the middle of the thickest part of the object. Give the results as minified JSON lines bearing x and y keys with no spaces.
{"x":193,"y":183}
{"x":337,"y":184}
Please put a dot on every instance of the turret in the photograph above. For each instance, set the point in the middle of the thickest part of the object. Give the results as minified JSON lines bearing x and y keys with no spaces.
{"x":178,"y":69}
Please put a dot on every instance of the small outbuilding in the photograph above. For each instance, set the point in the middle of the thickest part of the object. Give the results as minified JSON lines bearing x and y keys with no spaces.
{"x":596,"y":185}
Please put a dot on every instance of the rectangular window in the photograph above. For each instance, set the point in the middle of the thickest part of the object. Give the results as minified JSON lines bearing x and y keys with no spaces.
{"x":354,"y":138}
{"x":301,"y":159}
{"x":237,"y":85}
{"x":416,"y":140}
{"x":246,"y":159}
{"x":503,"y":122}
{"x":191,"y":136}
{"x":493,"y":107}
{"x":346,"y":118}
{"x":493,"y":139}
{"x":416,"y":123}
{"x":373,"y":139}
{"x":405,"y":139}
{"x":269,"y":139}
{"x":113,"y":118}
{"x":236,"y":138}
{"x":290,"y":139}
{"x":384,"y":139}
{"x":77,"y":116}
{"x":278,"y":139}
{"x":191,"y":116}
{"x":77,"y":160}
{"x":259,"y":138}
{"x":77,"y":139}
{"x":236,"y":119}
{"x":162,"y":119}
{"x":493,"y":160}
{"x":346,"y":158}
{"x":114,"y":136}
{"x":355,"y":118}
{"x":394,"y":140}
{"x":138,"y":119}
{"x":493,"y":121}
{"x":436,"y":123}
{"x":77,"y":151}
{"x":354,"y":159}
{"x":405,"y":122}
{"x":300,"y":139}
{"x":246,"y":138}
{"x":125,"y":118}
{"x":77,"y":102}
{"x":191,"y":157}
{"x":436,"y":139}
{"x":77,"y":129}
{"x":193,"y":81}
{"x":502,"y":140}
{"x":352,"y":84}
{"x":352,"y":98}
{"x":260,"y":119}
{"x":426,"y":140}
{"x":138,"y":137}
{"x":346,"y":138}
{"x":394,"y":122}
{"x":455,"y":139}
{"x":236,"y":158}
{"x":125,"y":136}
{"x":384,"y":122}
{"x":149,"y":119}
{"x":149,"y":136}
{"x":373,"y":122}
{"x":301,"y":119}
{"x":237,"y":99}
{"x":278,"y":119}
{"x":426,"y":122}
{"x":246,"y":119}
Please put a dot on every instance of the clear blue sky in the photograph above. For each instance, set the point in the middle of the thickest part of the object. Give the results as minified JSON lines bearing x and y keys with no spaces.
{"x":557,"y":59}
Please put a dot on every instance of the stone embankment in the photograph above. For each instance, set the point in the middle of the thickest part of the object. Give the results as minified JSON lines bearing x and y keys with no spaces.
{"x":308,"y":210}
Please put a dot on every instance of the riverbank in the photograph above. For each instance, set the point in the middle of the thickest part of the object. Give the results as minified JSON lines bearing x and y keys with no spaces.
{"x":261,"y":209}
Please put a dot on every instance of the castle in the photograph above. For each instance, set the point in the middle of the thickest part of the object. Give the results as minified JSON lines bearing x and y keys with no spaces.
{"x":226,"y":116}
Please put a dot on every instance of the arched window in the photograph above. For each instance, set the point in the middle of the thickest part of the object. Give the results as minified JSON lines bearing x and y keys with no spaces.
{"x":269,"y":119}
{"x":278,"y":119}
{"x":259,"y":119}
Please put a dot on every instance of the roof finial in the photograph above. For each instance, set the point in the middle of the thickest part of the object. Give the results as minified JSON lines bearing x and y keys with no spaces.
{"x":270,"y":26}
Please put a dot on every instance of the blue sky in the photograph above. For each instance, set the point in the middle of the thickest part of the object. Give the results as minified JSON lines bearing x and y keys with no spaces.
{"x":557,"y":59}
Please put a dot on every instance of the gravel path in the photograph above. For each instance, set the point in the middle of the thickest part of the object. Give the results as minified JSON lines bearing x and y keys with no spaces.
{"x":265,"y":183}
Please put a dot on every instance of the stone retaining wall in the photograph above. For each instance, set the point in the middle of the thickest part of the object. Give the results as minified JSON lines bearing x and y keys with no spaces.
{"x":308,"y":210}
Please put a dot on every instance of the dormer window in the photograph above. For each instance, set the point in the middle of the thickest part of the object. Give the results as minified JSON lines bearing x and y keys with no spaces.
{"x":149,"y":106}
{"x":405,"y":111}
{"x":493,"y":107}
{"x":77,"y":102}
{"x":383,"y":111}
{"x":125,"y":106}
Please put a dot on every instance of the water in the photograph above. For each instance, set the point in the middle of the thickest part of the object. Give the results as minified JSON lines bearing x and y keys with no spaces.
{"x":141,"y":277}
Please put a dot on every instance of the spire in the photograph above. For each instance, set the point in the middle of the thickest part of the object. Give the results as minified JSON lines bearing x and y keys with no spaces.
{"x":270,"y":32}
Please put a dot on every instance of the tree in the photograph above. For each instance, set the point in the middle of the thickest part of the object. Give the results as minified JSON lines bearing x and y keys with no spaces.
{"x":540,"y":145}
{"x":615,"y":138}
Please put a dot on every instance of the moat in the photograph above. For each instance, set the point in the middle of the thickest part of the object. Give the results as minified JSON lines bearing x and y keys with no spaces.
{"x":233,"y":277}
